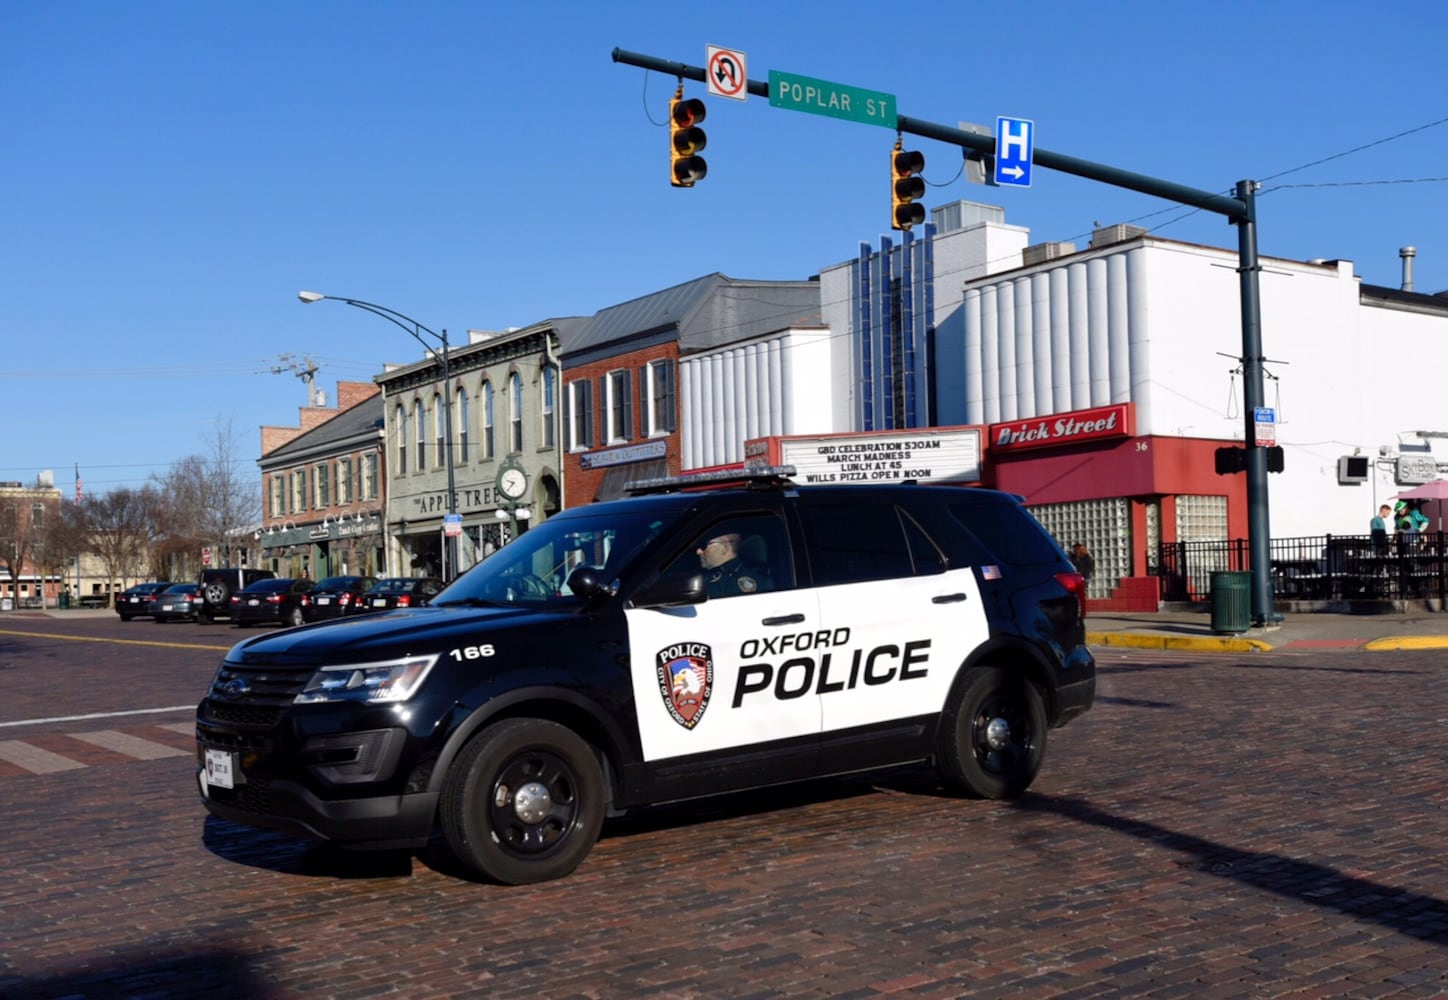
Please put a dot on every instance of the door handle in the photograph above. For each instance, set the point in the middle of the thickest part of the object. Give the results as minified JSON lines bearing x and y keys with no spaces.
{"x":948,"y":599}
{"x":784,"y":620}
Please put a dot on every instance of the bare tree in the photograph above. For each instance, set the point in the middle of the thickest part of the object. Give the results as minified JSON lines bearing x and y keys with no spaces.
{"x":230,"y":502}
{"x":118,"y":532}
{"x":205,"y":500}
{"x":16,"y":537}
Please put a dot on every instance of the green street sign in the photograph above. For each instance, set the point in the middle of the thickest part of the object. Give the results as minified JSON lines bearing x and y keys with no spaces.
{"x":834,"y":100}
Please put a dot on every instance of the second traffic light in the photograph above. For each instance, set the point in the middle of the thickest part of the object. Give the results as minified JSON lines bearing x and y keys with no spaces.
{"x":686,"y":141}
{"x":906,"y":185}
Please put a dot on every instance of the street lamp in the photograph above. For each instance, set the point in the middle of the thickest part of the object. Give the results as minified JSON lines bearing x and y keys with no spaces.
{"x":416,"y":329}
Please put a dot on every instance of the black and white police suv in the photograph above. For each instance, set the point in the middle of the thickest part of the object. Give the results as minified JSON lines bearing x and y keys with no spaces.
{"x":682,"y":642}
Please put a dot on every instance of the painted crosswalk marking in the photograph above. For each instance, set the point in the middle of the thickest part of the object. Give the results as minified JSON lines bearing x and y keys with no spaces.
{"x":131,"y":746}
{"x":38,"y":760}
{"x":34,"y":759}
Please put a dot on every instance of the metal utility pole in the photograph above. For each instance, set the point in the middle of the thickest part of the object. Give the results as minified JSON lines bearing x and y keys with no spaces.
{"x":1240,"y":211}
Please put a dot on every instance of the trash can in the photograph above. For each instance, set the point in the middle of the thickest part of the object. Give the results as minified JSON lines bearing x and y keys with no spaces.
{"x":1231,"y":602}
{"x":7,"y":604}
{"x":65,"y":600}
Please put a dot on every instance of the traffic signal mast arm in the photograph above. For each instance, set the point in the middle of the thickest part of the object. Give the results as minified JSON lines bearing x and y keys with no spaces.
{"x":1240,"y":211}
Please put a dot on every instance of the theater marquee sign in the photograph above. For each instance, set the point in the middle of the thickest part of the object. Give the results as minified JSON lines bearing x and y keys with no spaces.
{"x":946,"y":454}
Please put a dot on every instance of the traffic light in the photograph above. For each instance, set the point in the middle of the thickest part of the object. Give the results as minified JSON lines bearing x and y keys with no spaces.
{"x":686,"y":141}
{"x":906,"y":185}
{"x":1231,"y":460}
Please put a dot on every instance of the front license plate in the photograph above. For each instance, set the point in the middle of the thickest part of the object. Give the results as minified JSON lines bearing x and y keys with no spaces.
{"x":221,"y":768}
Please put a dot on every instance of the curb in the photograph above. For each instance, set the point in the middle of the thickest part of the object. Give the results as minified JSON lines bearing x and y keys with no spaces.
{"x":1409,"y":642}
{"x":1211,"y":644}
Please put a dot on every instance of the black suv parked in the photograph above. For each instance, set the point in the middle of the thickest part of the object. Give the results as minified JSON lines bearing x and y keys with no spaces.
{"x":679,"y":643}
{"x":217,"y":585}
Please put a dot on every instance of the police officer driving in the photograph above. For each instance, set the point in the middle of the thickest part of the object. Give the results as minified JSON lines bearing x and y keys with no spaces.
{"x":725,"y":572}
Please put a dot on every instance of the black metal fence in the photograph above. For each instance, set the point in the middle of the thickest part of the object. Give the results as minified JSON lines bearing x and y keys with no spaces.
{"x":1316,"y":568}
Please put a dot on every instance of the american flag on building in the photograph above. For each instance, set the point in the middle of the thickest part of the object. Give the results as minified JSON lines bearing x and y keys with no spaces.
{"x":79,"y":492}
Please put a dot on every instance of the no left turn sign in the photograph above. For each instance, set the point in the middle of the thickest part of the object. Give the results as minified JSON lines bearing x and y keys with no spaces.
{"x":725,"y":74}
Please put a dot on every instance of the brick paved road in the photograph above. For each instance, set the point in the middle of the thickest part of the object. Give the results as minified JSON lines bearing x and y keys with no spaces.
{"x":1219,"y":826}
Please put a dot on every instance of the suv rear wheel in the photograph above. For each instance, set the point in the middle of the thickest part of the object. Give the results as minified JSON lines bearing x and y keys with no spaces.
{"x":992,"y":734}
{"x":523,"y":802}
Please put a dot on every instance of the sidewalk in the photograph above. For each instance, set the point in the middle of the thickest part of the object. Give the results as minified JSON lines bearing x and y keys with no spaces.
{"x":1312,"y":630}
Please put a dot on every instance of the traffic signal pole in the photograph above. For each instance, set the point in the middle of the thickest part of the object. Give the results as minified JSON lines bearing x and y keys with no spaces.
{"x":1240,"y":211}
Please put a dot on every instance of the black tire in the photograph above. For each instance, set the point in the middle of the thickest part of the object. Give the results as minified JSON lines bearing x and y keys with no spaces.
{"x":126,"y":618}
{"x":217,"y":593}
{"x":992,"y":738}
{"x":293,"y":617}
{"x":204,"y":618}
{"x":542,"y":834}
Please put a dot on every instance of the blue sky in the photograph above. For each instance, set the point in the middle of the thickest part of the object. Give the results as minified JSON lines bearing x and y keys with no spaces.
{"x":175,"y":172}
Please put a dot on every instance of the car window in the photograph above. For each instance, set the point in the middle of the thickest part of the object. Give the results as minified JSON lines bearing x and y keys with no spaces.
{"x":855,"y":543}
{"x":738,"y":555}
{"x":534,"y":568}
{"x":1009,"y":532}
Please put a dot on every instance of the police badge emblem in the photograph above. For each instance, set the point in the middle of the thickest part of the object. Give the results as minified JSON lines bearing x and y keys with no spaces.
{"x":685,"y":673}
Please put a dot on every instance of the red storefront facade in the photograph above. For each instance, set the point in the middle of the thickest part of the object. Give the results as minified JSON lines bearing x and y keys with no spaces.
{"x":1086,"y":475}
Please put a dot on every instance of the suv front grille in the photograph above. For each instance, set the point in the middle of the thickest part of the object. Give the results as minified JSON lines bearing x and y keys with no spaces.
{"x":266,"y":685}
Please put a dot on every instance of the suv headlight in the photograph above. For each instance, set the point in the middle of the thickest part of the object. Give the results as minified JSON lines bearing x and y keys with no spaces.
{"x":375,"y":683}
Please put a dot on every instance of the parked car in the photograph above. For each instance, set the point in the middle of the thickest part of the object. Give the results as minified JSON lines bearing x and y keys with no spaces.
{"x":274,"y":601}
{"x":179,"y":602}
{"x":679,"y":643}
{"x":336,"y":597}
{"x":135,"y":602}
{"x":400,"y":592}
{"x":217,"y":585}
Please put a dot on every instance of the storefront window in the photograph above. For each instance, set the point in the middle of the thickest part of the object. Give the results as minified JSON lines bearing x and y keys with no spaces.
{"x":1104,"y":526}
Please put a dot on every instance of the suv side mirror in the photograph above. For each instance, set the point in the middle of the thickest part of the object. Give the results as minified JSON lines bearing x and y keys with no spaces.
{"x":587,"y":582}
{"x":673,"y":592}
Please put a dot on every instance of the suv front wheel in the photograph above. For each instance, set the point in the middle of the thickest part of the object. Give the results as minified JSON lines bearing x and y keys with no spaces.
{"x":523,"y":802}
{"x":992,"y":735}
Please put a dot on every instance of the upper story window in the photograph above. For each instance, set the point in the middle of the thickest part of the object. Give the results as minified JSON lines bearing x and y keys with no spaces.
{"x":619,"y":405}
{"x":580,"y":414}
{"x":460,"y":425}
{"x":321,"y":487}
{"x":399,"y":428}
{"x":439,"y":429}
{"x":299,"y":490}
{"x":659,"y":397}
{"x":515,"y":412}
{"x":369,"y":476}
{"x":489,"y":447}
{"x":419,"y":421}
{"x":547,"y":425}
{"x":345,"y":492}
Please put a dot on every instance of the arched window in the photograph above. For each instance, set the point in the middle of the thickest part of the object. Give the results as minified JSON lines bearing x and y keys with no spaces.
{"x":489,"y":449}
{"x":515,"y":412}
{"x":439,"y":429}
{"x":460,"y":426}
{"x":547,"y":427}
{"x":419,"y":423}
{"x":399,"y":428}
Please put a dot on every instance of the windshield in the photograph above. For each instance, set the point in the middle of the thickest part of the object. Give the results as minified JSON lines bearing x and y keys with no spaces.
{"x":534,"y":568}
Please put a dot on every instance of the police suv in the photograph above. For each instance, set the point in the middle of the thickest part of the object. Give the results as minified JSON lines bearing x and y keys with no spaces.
{"x":682,"y":642}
